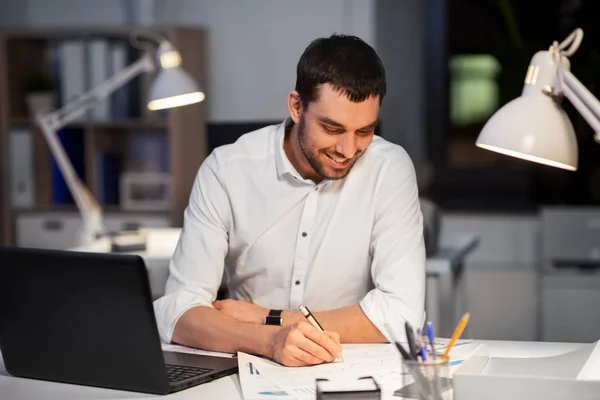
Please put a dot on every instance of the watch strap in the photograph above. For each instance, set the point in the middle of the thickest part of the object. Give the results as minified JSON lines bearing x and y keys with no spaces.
{"x":274,"y":318}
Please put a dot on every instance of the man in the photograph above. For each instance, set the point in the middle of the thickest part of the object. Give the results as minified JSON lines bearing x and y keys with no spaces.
{"x":315,"y":211}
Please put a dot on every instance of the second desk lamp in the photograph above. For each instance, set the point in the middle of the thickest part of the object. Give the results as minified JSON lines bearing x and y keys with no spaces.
{"x":172,"y":87}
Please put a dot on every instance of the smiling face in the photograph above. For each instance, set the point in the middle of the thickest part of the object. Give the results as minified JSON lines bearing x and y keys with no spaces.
{"x":330,"y":134}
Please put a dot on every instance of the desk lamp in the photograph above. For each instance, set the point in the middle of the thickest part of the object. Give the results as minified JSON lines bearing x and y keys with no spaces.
{"x":534,"y":126}
{"x":172,"y":87}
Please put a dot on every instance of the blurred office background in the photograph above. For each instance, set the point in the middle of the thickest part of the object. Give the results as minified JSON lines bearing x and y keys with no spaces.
{"x":450,"y":64}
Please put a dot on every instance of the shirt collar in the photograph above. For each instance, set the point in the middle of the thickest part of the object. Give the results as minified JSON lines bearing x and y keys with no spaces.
{"x":283,"y":164}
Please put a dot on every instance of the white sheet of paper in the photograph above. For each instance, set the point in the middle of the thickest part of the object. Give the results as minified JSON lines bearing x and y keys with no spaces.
{"x":254,"y":385}
{"x":191,"y":350}
{"x":382,"y":362}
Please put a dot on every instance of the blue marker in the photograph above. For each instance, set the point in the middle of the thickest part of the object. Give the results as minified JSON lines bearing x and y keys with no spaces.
{"x":423,"y":351}
{"x":431,"y":336}
{"x":422,"y":343}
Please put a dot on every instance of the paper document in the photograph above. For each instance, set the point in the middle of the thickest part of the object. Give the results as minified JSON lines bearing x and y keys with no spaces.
{"x":441,"y":343}
{"x":175,"y":348}
{"x":382,"y":362}
{"x":254,"y":385}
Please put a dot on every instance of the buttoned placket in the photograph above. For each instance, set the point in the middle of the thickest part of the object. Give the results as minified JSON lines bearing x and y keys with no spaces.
{"x":302,"y":253}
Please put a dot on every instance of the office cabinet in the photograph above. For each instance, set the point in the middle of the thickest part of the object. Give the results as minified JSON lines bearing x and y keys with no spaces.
{"x":501,"y":274}
{"x":570,"y":274}
{"x":50,"y":230}
{"x":58,"y":230}
{"x":569,"y":305}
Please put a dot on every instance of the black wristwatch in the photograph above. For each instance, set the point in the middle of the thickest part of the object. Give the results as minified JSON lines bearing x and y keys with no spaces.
{"x":274,"y":318}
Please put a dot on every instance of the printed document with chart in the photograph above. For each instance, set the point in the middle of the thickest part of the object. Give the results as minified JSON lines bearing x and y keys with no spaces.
{"x":262,"y":379}
{"x":382,"y":362}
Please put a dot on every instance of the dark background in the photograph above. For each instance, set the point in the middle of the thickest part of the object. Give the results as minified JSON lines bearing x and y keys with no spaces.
{"x":511,"y":32}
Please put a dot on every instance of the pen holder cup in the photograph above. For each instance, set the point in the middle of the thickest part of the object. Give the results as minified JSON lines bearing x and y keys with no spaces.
{"x":426,"y":380}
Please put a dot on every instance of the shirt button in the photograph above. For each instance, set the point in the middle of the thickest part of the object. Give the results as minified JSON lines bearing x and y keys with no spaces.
{"x":297,"y":282}
{"x":304,"y":234}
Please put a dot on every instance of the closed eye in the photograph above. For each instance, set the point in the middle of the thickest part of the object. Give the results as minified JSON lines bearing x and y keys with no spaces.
{"x":365,"y":132}
{"x":332,"y":130}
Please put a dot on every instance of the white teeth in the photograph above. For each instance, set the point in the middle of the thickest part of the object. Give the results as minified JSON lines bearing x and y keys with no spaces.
{"x":339,"y":160}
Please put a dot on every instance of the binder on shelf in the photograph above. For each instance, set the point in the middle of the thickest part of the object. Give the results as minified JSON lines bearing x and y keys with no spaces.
{"x":108,"y":172}
{"x":99,"y":64}
{"x":119,"y":100}
{"x":72,"y":72}
{"x":20,"y":153}
{"x":72,"y":139}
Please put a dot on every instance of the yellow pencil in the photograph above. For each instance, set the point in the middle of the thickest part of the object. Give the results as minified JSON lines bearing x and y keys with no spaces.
{"x":457,"y":332}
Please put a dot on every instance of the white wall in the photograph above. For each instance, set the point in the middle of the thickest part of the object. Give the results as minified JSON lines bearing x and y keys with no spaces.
{"x":12,"y":13}
{"x":75,"y":12}
{"x":253,"y":45}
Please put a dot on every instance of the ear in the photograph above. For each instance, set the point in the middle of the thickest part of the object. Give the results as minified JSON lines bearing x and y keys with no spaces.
{"x":294,"y":106}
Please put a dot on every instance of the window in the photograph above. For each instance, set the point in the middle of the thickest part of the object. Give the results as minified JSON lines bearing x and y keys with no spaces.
{"x":478,"y":53}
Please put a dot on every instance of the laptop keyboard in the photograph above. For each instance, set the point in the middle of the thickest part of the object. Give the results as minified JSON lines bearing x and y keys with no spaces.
{"x":178,"y":373}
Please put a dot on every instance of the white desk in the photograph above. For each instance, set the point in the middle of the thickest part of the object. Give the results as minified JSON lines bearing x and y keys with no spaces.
{"x":446,"y":263}
{"x":160,"y":245}
{"x":225,"y":388}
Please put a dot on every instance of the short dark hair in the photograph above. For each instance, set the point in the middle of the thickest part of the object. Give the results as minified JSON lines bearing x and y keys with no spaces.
{"x":345,"y":62}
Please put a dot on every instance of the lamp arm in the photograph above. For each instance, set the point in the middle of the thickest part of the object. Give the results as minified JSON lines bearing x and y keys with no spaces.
{"x":86,"y":203}
{"x":583,"y":100}
{"x":59,"y":118}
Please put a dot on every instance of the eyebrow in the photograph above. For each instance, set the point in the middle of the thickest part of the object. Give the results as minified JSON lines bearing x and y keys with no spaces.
{"x":329,"y":121}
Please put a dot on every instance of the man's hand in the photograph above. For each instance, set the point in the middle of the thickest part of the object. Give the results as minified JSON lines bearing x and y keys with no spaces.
{"x":302,"y":344}
{"x":242,"y":310}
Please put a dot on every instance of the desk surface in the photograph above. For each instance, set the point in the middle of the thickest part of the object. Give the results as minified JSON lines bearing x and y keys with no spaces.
{"x":225,"y":388}
{"x":160,"y":245}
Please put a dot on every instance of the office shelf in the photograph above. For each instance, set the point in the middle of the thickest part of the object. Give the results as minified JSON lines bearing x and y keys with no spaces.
{"x":24,"y":52}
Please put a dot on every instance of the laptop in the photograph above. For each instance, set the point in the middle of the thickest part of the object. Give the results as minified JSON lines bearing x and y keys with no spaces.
{"x":88,"y":319}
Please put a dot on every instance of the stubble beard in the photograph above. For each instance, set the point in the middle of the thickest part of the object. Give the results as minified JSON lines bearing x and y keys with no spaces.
{"x":312,"y":156}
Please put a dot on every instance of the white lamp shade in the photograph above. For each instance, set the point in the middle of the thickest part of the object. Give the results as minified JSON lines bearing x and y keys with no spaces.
{"x":173,"y":87}
{"x":534,"y":128}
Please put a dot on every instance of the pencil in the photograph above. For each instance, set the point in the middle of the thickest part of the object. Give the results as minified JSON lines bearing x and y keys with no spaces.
{"x":457,"y":332}
{"x":313,"y":321}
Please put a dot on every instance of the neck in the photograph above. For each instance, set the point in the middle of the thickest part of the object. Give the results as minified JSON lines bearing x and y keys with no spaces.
{"x":294,"y":153}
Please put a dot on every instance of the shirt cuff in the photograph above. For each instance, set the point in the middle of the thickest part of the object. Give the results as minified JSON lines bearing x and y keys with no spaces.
{"x":169,"y":308}
{"x":386,"y":312}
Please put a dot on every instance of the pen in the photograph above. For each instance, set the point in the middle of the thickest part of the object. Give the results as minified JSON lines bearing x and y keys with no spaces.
{"x":431,"y":336}
{"x":457,"y":332}
{"x":422,"y":345}
{"x":410,"y":337}
{"x":415,"y":372}
{"x":313,"y":321}
{"x":405,"y":354}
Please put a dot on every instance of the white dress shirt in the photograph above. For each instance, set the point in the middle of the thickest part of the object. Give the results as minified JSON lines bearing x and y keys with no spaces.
{"x":283,"y":241}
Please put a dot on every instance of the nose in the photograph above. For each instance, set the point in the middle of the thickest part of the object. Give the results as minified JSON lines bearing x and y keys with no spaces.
{"x":346,"y":146}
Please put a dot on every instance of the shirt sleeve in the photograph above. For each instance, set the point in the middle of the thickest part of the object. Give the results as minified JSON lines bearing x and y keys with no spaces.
{"x":196,"y":268}
{"x":398,"y":253}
